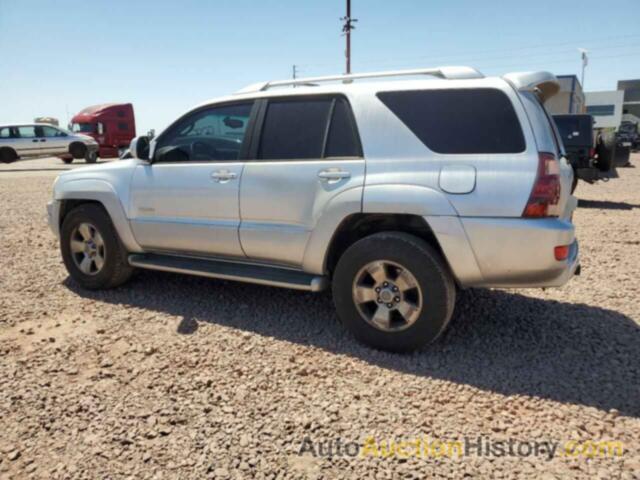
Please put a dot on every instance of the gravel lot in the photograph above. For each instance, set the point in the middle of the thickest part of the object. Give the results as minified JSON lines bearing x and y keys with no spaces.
{"x":182,"y":377}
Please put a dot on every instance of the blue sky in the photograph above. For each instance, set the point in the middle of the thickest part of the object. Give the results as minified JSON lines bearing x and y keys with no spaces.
{"x":164,"y":57}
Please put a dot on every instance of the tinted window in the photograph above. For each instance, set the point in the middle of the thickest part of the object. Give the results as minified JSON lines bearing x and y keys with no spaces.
{"x":52,"y":132}
{"x":26,"y":131}
{"x":343,"y":137}
{"x":294,"y":129}
{"x":459,"y":121}
{"x":212,"y":134}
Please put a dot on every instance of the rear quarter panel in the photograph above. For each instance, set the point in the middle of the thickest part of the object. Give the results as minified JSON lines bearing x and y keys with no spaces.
{"x":396,"y":156}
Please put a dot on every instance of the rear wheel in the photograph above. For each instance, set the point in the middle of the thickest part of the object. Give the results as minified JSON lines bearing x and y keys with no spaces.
{"x":623,"y":154}
{"x":605,"y":151}
{"x":8,"y":155}
{"x":393,"y":291}
{"x":91,"y":249}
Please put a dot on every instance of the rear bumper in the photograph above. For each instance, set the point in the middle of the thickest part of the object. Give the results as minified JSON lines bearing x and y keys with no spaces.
{"x":518,"y":252}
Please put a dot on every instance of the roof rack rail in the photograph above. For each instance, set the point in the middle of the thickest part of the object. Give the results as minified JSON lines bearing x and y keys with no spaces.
{"x":451,"y":73}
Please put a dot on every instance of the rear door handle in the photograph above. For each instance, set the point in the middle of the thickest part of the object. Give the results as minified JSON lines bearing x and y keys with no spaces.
{"x":330,"y":174}
{"x":43,"y":139}
{"x":223,"y":176}
{"x":34,"y":140}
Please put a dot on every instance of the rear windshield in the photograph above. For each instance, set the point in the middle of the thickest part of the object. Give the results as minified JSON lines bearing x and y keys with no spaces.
{"x":459,"y":121}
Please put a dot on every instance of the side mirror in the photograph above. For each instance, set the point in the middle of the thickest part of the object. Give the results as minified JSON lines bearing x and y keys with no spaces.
{"x":139,"y":147}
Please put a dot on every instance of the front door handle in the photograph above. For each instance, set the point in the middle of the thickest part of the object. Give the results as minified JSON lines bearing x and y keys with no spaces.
{"x":331,"y":174}
{"x":43,"y":139}
{"x":34,"y":140}
{"x":223,"y":176}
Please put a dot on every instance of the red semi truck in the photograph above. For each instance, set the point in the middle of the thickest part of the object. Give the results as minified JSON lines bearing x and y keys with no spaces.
{"x":112,"y":125}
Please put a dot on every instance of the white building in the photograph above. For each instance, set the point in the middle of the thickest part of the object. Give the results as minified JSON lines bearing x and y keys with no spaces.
{"x":606,"y":107}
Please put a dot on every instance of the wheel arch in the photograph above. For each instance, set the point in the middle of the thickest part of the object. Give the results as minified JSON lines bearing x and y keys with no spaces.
{"x":78,"y":192}
{"x":361,"y":225}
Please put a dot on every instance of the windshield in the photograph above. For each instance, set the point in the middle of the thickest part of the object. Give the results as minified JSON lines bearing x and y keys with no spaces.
{"x":628,"y":127}
{"x":83,"y":127}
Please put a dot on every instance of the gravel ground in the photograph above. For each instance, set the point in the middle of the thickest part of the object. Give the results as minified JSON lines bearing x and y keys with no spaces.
{"x":183,"y":377}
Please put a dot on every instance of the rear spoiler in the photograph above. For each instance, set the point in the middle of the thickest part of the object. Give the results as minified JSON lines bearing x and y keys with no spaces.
{"x":544,"y":84}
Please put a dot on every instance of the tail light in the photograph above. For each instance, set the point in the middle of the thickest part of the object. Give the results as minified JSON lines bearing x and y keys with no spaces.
{"x":561,"y":252}
{"x":545,"y":196}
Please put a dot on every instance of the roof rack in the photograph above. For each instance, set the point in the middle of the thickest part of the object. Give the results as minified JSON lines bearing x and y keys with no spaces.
{"x":451,"y":73}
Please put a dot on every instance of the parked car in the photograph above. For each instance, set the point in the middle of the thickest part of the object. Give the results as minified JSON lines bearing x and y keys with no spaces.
{"x":590,"y":153}
{"x":31,"y":140}
{"x":112,"y":125}
{"x":396,"y":193}
{"x":627,"y":139}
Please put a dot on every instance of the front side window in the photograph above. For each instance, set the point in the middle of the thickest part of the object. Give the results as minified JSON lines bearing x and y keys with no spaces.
{"x":83,"y":127}
{"x":459,"y":121}
{"x":211,"y":134}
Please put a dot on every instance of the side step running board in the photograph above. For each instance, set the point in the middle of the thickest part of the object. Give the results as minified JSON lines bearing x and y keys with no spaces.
{"x":242,"y":272}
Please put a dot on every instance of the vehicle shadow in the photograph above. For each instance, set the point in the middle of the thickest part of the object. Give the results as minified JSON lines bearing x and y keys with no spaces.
{"x":498,"y":341}
{"x":606,"y":204}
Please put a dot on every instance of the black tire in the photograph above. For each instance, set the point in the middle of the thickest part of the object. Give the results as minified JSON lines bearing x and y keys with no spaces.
{"x":116,"y":269}
{"x":91,"y":156}
{"x":78,"y":150}
{"x":67,"y":160}
{"x":8,"y":155}
{"x":437,"y":290}
{"x":606,"y":151}
{"x":623,"y":154}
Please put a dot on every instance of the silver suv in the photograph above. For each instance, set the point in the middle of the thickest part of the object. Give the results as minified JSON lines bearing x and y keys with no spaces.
{"x":396,"y":193}
{"x":32,"y":140}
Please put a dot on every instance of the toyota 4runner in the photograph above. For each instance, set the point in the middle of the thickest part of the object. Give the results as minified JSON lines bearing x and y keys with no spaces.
{"x":396,"y":193}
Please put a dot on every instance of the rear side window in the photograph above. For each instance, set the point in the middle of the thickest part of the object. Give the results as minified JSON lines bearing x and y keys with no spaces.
{"x":308,"y":128}
{"x":294,"y":129}
{"x":459,"y":121}
{"x":342,"y":140}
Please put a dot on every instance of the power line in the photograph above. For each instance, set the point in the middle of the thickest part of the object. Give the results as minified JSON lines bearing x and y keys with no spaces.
{"x":474,"y":54}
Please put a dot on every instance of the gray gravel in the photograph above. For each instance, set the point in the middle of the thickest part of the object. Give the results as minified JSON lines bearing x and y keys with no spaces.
{"x":182,"y":377}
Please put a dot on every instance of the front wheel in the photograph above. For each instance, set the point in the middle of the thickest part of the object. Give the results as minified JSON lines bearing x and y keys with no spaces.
{"x":393,"y":291}
{"x":91,"y":249}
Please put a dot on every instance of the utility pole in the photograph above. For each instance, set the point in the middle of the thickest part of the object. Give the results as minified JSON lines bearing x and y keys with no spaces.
{"x":346,"y":30}
{"x":585,"y":62}
{"x":294,"y":71}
